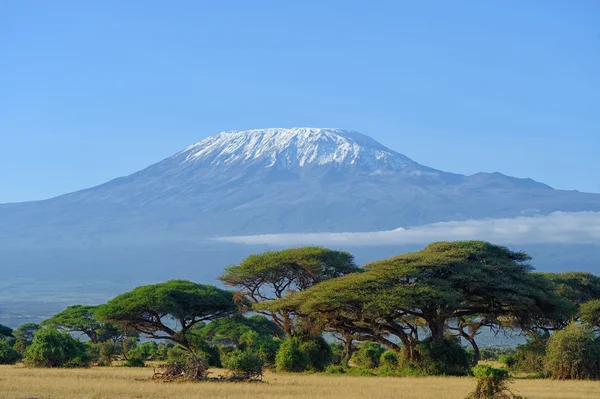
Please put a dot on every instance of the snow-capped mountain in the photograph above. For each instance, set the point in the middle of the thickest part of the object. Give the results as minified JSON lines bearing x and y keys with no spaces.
{"x":297,"y":147}
{"x":158,"y":223}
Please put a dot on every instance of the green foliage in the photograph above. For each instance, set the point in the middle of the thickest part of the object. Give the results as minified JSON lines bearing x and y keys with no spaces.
{"x":590,"y":313}
{"x":244,"y":362}
{"x":24,"y":336}
{"x":318,"y":352}
{"x":80,"y":318}
{"x":368,"y":355}
{"x":7,"y":354}
{"x":492,"y":383}
{"x":396,"y":297}
{"x":103,"y":353}
{"x":290,"y":357}
{"x":134,"y":360}
{"x":450,"y":358}
{"x":273,"y":274}
{"x":145,"y":351}
{"x":573,"y":353}
{"x":578,"y":287}
{"x":263,"y":347}
{"x":51,"y":348}
{"x":389,"y":359}
{"x":6,"y":332}
{"x":229,"y":330}
{"x":145,"y":308}
{"x":529,"y":357}
{"x":337,"y":353}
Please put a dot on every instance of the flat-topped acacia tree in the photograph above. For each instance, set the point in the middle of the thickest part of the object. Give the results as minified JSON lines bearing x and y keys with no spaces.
{"x":398,"y":297}
{"x":168,"y":310}
{"x":273,"y":274}
{"x":82,"y":319}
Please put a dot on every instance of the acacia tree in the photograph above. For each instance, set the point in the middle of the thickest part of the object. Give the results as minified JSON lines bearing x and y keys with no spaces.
{"x":273,"y":274}
{"x":6,"y":332}
{"x":444,"y":282}
{"x":82,"y":319}
{"x":168,"y":310}
{"x":24,"y":336}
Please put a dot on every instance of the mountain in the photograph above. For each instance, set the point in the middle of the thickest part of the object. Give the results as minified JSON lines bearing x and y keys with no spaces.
{"x":159,"y":222}
{"x":276,"y":181}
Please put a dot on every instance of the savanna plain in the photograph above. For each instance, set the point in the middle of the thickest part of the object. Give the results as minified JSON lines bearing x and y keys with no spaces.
{"x":18,"y":382}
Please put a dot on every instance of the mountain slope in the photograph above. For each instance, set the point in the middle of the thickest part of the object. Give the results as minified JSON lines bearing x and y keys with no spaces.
{"x":274,"y":181}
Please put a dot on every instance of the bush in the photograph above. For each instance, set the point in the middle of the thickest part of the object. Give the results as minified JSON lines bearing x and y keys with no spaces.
{"x":134,"y":360}
{"x":290,"y":358}
{"x":103,"y":353}
{"x":367,"y":355}
{"x":244,"y":363}
{"x":337,"y":354}
{"x":529,"y":357}
{"x":491,"y":383}
{"x":264,"y":347}
{"x":450,"y":358}
{"x":389,"y":359}
{"x":7,"y":354}
{"x":51,"y":348}
{"x":318,"y":352}
{"x":573,"y":353}
{"x":145,"y":351}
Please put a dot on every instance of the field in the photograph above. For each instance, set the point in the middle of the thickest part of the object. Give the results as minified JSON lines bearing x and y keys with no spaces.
{"x":17,"y":382}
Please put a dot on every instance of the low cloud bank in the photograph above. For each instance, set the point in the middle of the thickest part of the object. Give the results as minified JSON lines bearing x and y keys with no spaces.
{"x":558,"y":227}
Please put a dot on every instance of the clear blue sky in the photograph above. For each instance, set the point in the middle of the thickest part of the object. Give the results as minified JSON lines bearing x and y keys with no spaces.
{"x":94,"y":90}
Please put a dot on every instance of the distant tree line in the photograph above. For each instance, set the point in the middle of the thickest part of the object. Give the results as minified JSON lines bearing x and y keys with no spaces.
{"x":313,"y":308}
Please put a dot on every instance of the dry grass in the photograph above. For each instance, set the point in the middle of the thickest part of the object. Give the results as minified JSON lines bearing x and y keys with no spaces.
{"x":118,"y":382}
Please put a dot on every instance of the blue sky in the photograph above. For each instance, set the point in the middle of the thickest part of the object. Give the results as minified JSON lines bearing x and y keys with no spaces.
{"x":94,"y":90}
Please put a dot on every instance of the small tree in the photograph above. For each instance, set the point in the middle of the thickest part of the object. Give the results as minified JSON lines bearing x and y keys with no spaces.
{"x":290,"y":357}
{"x":24,"y":336}
{"x":244,"y":363}
{"x":147,"y":309}
{"x":491,"y":384}
{"x":51,"y":348}
{"x":82,"y":319}
{"x":271,"y":275}
{"x":368,"y":355}
{"x":7,"y":354}
{"x":573,"y":354}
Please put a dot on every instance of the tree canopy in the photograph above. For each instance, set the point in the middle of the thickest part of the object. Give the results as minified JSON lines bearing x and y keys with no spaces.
{"x":273,"y":274}
{"x":82,"y":318}
{"x":445,"y":281}
{"x":168,"y":310}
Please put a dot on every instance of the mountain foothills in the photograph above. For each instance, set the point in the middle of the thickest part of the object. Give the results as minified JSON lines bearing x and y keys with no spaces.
{"x":159,"y":223}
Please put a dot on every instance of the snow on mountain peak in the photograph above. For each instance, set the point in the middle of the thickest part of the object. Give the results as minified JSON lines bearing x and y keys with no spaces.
{"x":297,"y":147}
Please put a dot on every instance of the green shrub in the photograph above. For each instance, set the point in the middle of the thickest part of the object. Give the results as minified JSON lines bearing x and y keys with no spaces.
{"x":242,"y":362}
{"x":7,"y":353}
{"x":318,"y":352}
{"x":367,"y":355}
{"x":134,"y":360}
{"x":337,"y":353}
{"x":573,"y":354}
{"x":491,"y":383}
{"x":530,"y":357}
{"x":264,"y":347}
{"x":290,"y":357}
{"x":51,"y":348}
{"x":145,"y":350}
{"x":450,"y":358}
{"x":508,"y":360}
{"x":103,"y":353}
{"x":389,"y":359}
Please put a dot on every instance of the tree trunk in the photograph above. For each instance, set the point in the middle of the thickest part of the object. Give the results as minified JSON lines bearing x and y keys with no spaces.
{"x":476,"y":352}
{"x":348,"y":349}
{"x":436,"y":327}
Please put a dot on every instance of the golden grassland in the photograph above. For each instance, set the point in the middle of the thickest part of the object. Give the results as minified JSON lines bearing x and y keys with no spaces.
{"x":18,"y":382}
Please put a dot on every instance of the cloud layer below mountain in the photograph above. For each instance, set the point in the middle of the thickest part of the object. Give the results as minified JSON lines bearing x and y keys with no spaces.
{"x":558,"y":227}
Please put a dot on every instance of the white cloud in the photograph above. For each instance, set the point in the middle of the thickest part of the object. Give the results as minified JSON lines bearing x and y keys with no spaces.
{"x":558,"y":227}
